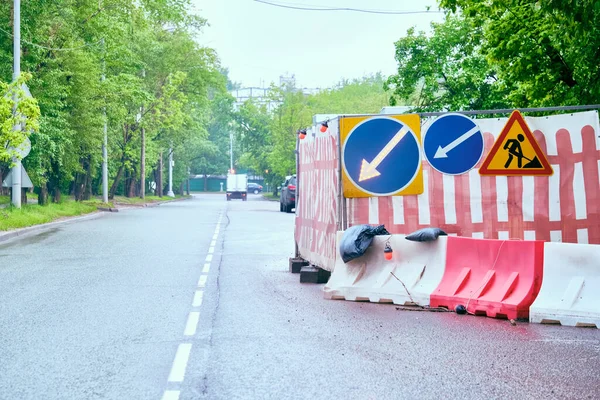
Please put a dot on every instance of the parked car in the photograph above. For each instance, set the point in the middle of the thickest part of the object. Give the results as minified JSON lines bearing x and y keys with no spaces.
{"x":287,"y":198}
{"x":254,"y":188}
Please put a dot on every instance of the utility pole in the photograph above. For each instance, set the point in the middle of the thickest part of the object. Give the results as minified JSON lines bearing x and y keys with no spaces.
{"x":105,"y":137}
{"x":16,"y":170}
{"x":170,"y":192}
{"x":188,"y":180}
{"x":160,"y":175}
{"x":231,"y":152}
{"x":143,"y":155}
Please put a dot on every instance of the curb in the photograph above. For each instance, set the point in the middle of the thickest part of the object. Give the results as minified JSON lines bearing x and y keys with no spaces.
{"x":93,"y":215}
{"x":155,"y":204}
{"x":44,"y":227}
{"x":270,"y":199}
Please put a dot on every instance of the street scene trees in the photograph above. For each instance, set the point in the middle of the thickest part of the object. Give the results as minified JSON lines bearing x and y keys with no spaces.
{"x":436,"y":166}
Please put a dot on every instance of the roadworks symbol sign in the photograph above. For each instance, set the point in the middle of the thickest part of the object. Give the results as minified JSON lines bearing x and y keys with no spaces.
{"x":516,"y":152}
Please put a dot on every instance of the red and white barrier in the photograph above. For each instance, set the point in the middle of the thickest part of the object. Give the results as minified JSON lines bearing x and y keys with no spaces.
{"x":410,"y":277}
{"x":545,"y":282}
{"x":497,"y":278}
{"x":570,"y":293}
{"x":564,"y":207}
{"x":317,"y":203}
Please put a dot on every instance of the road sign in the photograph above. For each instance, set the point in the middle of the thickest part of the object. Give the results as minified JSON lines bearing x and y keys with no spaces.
{"x":22,"y":149}
{"x":25,"y":180}
{"x":516,"y":152}
{"x":453,"y":144}
{"x":381,"y":156}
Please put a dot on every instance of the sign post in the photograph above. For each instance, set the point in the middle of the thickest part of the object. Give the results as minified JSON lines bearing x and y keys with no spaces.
{"x":16,"y":170}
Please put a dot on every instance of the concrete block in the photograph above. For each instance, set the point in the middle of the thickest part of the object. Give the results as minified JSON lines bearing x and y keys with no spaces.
{"x":296,"y":265}
{"x":312,"y":274}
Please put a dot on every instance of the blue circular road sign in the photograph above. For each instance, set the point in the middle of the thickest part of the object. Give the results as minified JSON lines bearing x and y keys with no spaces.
{"x":381,"y":156}
{"x":453,"y":144}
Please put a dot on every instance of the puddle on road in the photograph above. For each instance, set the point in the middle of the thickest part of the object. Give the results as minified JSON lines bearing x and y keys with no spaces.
{"x":27,"y":240}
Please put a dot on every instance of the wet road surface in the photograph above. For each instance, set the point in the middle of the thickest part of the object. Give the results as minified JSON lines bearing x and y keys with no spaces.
{"x":193,"y":300}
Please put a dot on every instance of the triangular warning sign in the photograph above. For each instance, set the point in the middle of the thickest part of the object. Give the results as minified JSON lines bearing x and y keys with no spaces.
{"x":516,"y":152}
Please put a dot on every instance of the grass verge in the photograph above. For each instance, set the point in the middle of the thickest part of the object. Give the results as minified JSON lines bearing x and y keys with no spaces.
{"x":148,"y":199}
{"x":4,"y":199}
{"x":30,"y":214}
{"x":270,"y":196}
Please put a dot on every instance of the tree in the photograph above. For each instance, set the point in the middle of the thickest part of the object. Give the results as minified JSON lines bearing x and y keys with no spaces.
{"x":548,"y":51}
{"x":268,"y":138}
{"x":445,"y":70}
{"x":25,"y":114}
{"x":67,"y":46}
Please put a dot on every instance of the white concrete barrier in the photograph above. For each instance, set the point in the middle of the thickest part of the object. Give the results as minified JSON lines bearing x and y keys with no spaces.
{"x":570,"y":293}
{"x":417,"y":270}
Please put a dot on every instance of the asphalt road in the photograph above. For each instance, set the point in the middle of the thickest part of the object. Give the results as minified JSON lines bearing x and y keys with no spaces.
{"x":193,"y":300}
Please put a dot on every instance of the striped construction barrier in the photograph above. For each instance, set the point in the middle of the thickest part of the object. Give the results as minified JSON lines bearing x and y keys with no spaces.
{"x":570,"y":293}
{"x":410,"y":277}
{"x":497,"y":278}
{"x":554,"y":283}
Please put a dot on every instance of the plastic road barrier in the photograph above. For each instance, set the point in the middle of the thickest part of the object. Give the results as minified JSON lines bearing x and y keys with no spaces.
{"x":497,"y":278}
{"x":570,"y":293}
{"x":410,"y":277}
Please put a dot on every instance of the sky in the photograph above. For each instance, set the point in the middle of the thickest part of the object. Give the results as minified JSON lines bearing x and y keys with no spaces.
{"x":258,"y":42}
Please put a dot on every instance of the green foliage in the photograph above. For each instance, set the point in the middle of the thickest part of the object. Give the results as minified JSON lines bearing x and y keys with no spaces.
{"x":26,"y":117}
{"x":445,"y":70}
{"x":358,"y":96}
{"x":28,"y":215}
{"x":536,"y":53}
{"x":150,"y":58}
{"x":267,"y":140}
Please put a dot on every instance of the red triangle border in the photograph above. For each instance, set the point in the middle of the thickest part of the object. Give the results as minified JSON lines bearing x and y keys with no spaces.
{"x":516,"y":117}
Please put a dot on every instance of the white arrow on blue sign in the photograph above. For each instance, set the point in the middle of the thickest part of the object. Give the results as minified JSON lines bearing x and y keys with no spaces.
{"x":382,"y":156}
{"x":453,"y":144}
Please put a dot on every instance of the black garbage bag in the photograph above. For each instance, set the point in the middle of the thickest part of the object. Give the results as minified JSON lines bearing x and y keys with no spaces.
{"x":426,"y":235}
{"x":357,"y":239}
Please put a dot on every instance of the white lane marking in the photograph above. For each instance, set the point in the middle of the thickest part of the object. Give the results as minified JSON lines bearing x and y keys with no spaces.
{"x":202,"y":281}
{"x":215,"y":237}
{"x":180,"y":362}
{"x":192,"y":324}
{"x":213,"y":243}
{"x":198,"y":298}
{"x":211,"y":250}
{"x":209,"y":258}
{"x":206,"y":268}
{"x":171,"y":395}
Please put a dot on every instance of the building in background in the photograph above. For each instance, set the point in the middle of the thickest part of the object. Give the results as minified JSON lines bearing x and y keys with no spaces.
{"x":261,"y":95}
